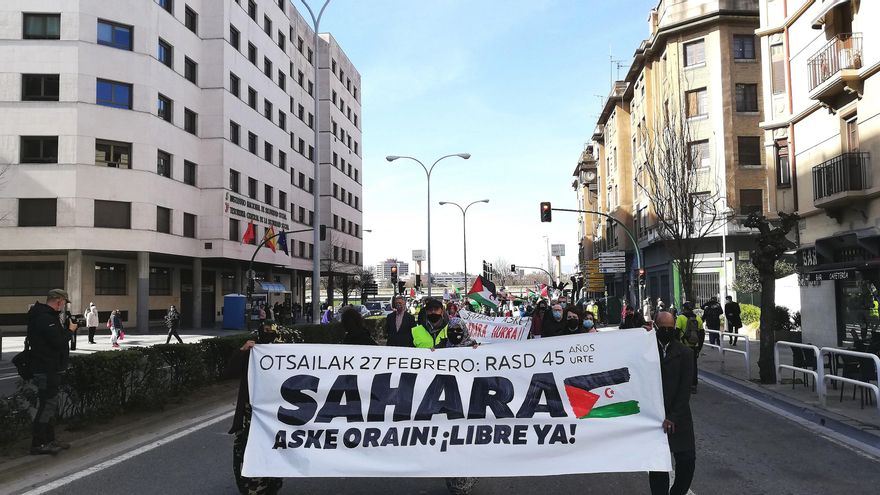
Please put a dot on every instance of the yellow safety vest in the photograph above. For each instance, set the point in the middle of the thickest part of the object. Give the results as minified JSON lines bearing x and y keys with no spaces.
{"x":422,"y":338}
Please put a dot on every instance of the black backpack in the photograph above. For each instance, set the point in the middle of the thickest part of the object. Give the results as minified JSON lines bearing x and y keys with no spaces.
{"x":22,"y":362}
{"x":692,"y":331}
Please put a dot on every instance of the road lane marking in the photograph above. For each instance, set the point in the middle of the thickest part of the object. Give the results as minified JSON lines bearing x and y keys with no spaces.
{"x":200,"y":424}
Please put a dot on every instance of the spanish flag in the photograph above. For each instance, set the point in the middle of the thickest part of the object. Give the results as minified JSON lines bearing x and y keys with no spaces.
{"x":270,"y":239}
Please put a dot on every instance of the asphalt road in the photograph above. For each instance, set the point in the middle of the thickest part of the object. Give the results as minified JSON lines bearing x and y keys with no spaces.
{"x":741,"y":449}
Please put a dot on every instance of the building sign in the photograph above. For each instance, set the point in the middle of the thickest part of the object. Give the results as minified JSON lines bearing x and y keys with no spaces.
{"x":831,"y":275}
{"x":557,"y":249}
{"x":254,"y":211}
{"x":418,"y":255}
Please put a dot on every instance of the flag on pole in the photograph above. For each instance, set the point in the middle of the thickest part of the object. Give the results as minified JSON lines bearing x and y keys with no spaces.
{"x":544,"y":290}
{"x":282,"y":242}
{"x":249,"y":234}
{"x":483,"y":292}
{"x":269,"y":237}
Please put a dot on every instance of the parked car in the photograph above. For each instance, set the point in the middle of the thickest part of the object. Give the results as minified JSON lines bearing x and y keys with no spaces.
{"x":375,"y":309}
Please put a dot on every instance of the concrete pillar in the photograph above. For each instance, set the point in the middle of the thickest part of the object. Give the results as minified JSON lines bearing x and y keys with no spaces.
{"x":143,"y":291}
{"x":74,"y":281}
{"x":197,"y":293}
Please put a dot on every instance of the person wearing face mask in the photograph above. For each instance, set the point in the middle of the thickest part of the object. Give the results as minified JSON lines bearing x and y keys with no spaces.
{"x":589,"y":322}
{"x":632,"y":319}
{"x":553,"y":324}
{"x":538,"y":320}
{"x":573,"y":321}
{"x":433,"y":332}
{"x":399,"y":325}
{"x":676,"y":371}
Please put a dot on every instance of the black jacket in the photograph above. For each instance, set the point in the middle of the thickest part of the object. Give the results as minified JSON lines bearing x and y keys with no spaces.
{"x":677,"y":372}
{"x":402,"y":338}
{"x":48,"y":339}
{"x":552,"y":328}
{"x":236,"y":367}
{"x":712,"y":315}
{"x":733,"y":313}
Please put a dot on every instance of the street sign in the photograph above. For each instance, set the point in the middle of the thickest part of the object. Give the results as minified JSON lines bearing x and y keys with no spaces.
{"x":612,"y":254}
{"x":418,"y":255}
{"x":613,"y":265}
{"x":557,"y":249}
{"x":612,"y":270}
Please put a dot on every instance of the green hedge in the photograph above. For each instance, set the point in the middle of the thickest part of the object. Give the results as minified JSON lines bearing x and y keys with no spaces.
{"x":750,"y":314}
{"x":105,"y":384}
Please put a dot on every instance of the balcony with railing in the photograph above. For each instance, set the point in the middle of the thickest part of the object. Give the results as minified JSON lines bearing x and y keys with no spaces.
{"x":842,"y":179}
{"x":835,"y":66}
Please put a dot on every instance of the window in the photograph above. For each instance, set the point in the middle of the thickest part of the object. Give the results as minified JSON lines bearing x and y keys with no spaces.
{"x":267,"y":25}
{"x":252,"y":142}
{"x":333,"y":66}
{"x":112,"y":214}
{"x":356,"y":175}
{"x":234,"y":180}
{"x":697,"y":102}
{"x":282,"y":199}
{"x":335,"y":190}
{"x":168,"y":5}
{"x":39,"y":149}
{"x":299,"y":44}
{"x":166,"y":53}
{"x":749,"y":150}
{"x":302,"y":214}
{"x":311,"y":153}
{"x":694,"y":53}
{"x":160,"y":281}
{"x":165,"y":108}
{"x":267,"y":67}
{"x":311,"y":122}
{"x":189,"y":225}
{"x":746,"y":97}
{"x":311,"y":88}
{"x":114,"y":35}
{"x":252,"y":10}
{"x":163,"y":220}
{"x":282,"y":80}
{"x":234,"y":85}
{"x":751,"y":201}
{"x":301,"y":112}
{"x":39,"y":87}
{"x":234,"y":229}
{"x":252,"y":97}
{"x":309,"y":55}
{"x":268,"y":151}
{"x":190,"y":70}
{"x":282,"y":160}
{"x":190,"y":121}
{"x":300,"y":78}
{"x":335,"y":222}
{"x":282,"y":120}
{"x":190,"y":171}
{"x":35,"y":278}
{"x":743,"y":47}
{"x":234,"y":132}
{"x":252,"y":188}
{"x":113,"y":94}
{"x":42,"y":26}
{"x":700,"y":155}
{"x":163,"y":164}
{"x":268,"y":194}
{"x":234,"y":37}
{"x":191,"y":19}
{"x":777,"y":68}
{"x":783,"y":168}
{"x":267,"y":109}
{"x":252,"y":53}
{"x":301,"y":179}
{"x":311,"y":185}
{"x":302,"y":249}
{"x":282,"y":40}
{"x":37,"y":212}
{"x":110,"y":279}
{"x":112,"y":154}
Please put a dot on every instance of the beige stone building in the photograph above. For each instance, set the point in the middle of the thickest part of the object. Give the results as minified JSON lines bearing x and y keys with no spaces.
{"x":701,"y":61}
{"x":822,"y":137}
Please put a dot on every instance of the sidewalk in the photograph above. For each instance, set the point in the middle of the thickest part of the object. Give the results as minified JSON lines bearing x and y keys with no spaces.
{"x":796,"y":395}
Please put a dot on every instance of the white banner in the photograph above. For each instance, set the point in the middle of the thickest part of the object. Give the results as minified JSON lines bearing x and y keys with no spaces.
{"x":575,"y":404}
{"x":489,"y":329}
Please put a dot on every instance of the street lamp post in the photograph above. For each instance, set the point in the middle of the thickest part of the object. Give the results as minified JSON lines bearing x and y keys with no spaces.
{"x":316,"y":191}
{"x":428,"y":171}
{"x":464,"y":232}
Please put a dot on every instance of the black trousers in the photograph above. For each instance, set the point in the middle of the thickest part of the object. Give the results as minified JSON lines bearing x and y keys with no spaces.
{"x":172,"y":330}
{"x":73,"y":339}
{"x":714,"y":338}
{"x":47,"y":408}
{"x":696,"y":356}
{"x":92,"y":335}
{"x":685,"y":465}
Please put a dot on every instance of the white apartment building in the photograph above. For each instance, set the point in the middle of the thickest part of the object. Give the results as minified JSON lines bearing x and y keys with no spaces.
{"x":822,"y":135}
{"x":143,"y":137}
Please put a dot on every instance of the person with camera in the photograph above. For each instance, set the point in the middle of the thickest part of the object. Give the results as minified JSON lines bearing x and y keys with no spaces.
{"x":48,"y":335}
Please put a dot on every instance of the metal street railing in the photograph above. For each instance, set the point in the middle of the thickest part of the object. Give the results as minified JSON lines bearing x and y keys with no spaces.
{"x":722,"y":349}
{"x":831,"y":351}
{"x":817,"y":373}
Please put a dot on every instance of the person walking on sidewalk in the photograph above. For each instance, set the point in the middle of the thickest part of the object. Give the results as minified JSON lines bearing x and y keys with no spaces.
{"x":712,"y":312}
{"x":172,"y":321}
{"x":92,"y":321}
{"x":733,"y":315}
{"x":676,"y":370}
{"x":691,"y":334}
{"x":48,"y":340}
{"x":115,"y":324}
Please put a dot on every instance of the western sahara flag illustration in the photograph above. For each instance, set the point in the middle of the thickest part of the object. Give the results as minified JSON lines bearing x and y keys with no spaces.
{"x":583,"y":401}
{"x":483,"y":292}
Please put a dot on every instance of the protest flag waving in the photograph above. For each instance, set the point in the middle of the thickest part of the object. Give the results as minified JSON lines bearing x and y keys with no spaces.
{"x":249,"y":234}
{"x":483,"y":292}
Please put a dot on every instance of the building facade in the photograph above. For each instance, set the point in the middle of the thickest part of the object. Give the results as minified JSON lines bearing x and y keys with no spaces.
{"x":700,"y":63}
{"x":383,"y":269}
{"x":822,"y":138}
{"x":144,"y":137}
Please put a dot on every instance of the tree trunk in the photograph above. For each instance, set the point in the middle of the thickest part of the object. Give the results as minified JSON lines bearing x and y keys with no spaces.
{"x":331,"y":287}
{"x":345,"y":290}
{"x":766,"y":363}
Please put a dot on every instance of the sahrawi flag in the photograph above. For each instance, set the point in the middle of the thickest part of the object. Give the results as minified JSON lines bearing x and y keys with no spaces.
{"x":483,"y":292}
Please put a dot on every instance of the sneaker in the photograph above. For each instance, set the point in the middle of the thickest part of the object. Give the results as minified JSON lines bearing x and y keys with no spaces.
{"x":61,"y":445}
{"x":46,"y":448}
{"x":115,"y":346}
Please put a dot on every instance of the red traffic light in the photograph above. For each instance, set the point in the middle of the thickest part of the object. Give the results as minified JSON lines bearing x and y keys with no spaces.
{"x":546,"y":212}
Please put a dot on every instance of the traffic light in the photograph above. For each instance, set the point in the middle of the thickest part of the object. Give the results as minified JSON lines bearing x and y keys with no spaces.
{"x":394,"y":274}
{"x":418,"y":281}
{"x":546,"y":212}
{"x":401,"y":286}
{"x":512,"y":268}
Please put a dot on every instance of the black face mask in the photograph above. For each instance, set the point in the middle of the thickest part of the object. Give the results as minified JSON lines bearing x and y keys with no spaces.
{"x":572,"y":324}
{"x":665,"y":335}
{"x":266,"y":337}
{"x":456,"y":336}
{"x":434,"y":319}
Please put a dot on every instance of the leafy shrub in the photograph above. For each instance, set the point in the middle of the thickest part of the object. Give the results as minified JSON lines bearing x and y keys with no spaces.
{"x":750,"y":314}
{"x":782,"y":319}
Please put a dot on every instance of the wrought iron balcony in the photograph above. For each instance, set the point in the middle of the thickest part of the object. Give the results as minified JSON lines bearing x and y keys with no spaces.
{"x":834,"y":60}
{"x":841,"y":179}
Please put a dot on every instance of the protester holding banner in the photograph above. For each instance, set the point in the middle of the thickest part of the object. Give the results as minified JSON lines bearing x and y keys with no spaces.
{"x":356,"y":332}
{"x":676,"y":370}
{"x":237,"y":367}
{"x":589,"y":322}
{"x":553,"y":324}
{"x":573,"y":321}
{"x":538,"y":319}
{"x":432,"y":333}
{"x":399,"y":325}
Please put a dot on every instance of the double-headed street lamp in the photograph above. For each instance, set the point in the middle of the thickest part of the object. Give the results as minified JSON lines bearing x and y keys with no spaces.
{"x":428,"y":171}
{"x":463,"y":232}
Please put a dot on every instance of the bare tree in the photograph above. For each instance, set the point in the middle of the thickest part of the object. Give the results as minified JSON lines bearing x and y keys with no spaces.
{"x":501,"y":273}
{"x":681,"y":189}
{"x":335,"y":272}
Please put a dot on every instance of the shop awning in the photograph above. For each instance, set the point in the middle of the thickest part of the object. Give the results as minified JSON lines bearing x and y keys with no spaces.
{"x":273,"y":287}
{"x":827,"y":6}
